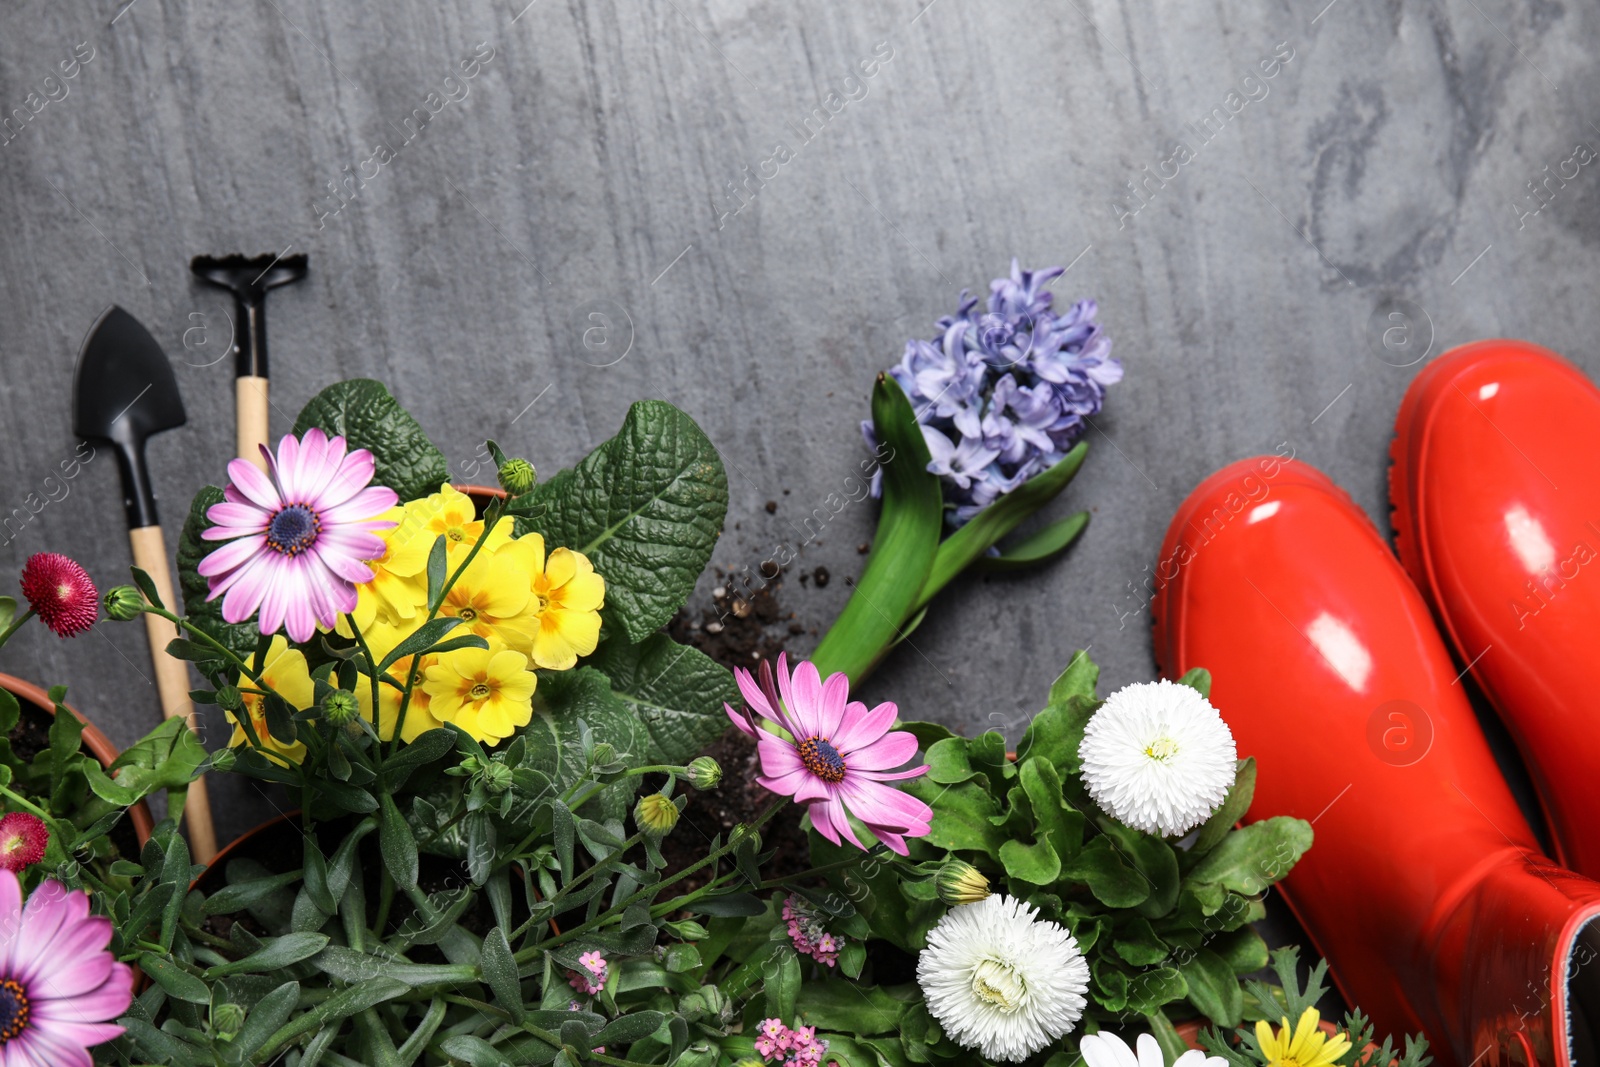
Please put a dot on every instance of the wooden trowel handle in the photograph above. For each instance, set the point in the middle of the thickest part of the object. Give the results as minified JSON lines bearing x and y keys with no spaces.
{"x":172,"y":679}
{"x":250,"y":415}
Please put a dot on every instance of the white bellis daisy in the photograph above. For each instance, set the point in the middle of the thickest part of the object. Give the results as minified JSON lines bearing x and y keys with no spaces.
{"x":1158,"y":757}
{"x":1002,"y":981}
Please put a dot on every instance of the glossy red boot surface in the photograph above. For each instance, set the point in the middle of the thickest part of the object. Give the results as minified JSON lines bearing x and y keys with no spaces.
{"x":1424,"y":888}
{"x":1495,"y":486}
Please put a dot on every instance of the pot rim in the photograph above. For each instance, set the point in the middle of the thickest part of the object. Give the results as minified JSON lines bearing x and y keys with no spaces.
{"x":94,"y":739}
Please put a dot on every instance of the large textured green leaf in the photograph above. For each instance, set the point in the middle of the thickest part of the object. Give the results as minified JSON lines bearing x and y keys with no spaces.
{"x":240,"y":637}
{"x":675,"y":690}
{"x":367,"y":416}
{"x":1250,"y":859}
{"x":646,"y":508}
{"x":554,"y":740}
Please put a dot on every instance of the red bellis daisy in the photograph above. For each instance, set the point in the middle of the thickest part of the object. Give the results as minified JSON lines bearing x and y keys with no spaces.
{"x":61,"y":593}
{"x":23,"y":838}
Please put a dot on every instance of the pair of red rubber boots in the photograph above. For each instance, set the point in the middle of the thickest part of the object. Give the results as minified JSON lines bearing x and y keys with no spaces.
{"x":1426,"y":888}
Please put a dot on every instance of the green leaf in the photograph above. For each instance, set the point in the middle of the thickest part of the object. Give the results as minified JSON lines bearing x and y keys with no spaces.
{"x":1138,"y":944}
{"x":1063,"y":822}
{"x":367,"y":416}
{"x":10,"y":711}
{"x":174,"y":979}
{"x":437,"y":569}
{"x":1243,"y":949}
{"x":675,"y":690}
{"x":1039,"y":547}
{"x":146,"y":586}
{"x":241,"y":895}
{"x":270,"y":1013}
{"x":1078,"y":680}
{"x":1036,"y":864}
{"x":8,"y":610}
{"x":423,"y":750}
{"x":1172,"y":1043}
{"x":1110,"y":877}
{"x":1154,"y":859}
{"x":396,"y":843}
{"x":1198,"y":679}
{"x":239,"y":638}
{"x":948,"y":763}
{"x":500,"y":973}
{"x":1213,"y":989}
{"x":278,"y":952}
{"x":421,"y":640}
{"x":1148,"y":990}
{"x":367,"y":993}
{"x":476,"y":1052}
{"x":903,"y":550}
{"x":645,"y":507}
{"x":961,"y":816}
{"x":1233,"y":807}
{"x":627,"y":1029}
{"x":562,"y":704}
{"x":1249,"y":860}
{"x":839,"y":1004}
{"x":970,"y":542}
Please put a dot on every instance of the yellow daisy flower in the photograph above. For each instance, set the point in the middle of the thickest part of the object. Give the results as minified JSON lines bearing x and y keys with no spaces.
{"x":567,"y":596}
{"x":1309,"y":1046}
{"x":488,"y":694}
{"x":490,"y":598}
{"x":285,"y":671}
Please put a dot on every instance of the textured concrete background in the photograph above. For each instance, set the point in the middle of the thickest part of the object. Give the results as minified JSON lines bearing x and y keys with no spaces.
{"x":565,"y":238}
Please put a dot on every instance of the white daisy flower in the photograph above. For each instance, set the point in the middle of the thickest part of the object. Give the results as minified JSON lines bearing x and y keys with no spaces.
{"x":1109,"y":1050}
{"x":1000,"y":980}
{"x":1157,"y":757}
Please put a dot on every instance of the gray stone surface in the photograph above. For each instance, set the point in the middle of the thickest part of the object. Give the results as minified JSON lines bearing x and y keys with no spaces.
{"x":586,"y":171}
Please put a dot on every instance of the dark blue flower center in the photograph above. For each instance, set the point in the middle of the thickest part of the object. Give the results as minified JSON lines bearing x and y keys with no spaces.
{"x":822,"y":759}
{"x":13,"y":1010}
{"x":293,"y":530}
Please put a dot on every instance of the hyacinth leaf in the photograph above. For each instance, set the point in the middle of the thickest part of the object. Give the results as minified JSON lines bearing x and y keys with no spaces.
{"x":367,"y":415}
{"x":1039,"y":547}
{"x":903,"y":552}
{"x":646,"y":508}
{"x":675,"y":690}
{"x":969,"y":543}
{"x":239,"y":638}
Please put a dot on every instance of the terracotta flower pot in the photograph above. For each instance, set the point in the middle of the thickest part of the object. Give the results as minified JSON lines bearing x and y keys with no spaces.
{"x":98,"y":744}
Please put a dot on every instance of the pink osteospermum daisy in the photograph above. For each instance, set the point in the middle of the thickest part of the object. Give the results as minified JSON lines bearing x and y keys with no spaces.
{"x":61,"y":593}
{"x":59,"y":987}
{"x":300,"y":535}
{"x":838,"y":756}
{"x":23,"y":839}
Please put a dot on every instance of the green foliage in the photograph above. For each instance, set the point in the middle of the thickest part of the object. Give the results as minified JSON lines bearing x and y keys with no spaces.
{"x":646,"y":507}
{"x":364,"y":413}
{"x":1163,"y":924}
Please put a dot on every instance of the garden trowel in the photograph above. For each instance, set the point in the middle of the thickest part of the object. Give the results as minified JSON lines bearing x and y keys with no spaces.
{"x":123,"y":392}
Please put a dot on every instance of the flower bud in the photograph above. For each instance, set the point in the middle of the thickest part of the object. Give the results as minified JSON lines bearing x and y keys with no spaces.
{"x":124,"y":602}
{"x":960,"y":882}
{"x":604,"y":752}
{"x":656,"y":814}
{"x":688,"y":930}
{"x":223,"y":759}
{"x":340,"y":707}
{"x":703,"y":772}
{"x":230,"y":698}
{"x":227,"y":1020}
{"x":496,"y":777}
{"x":517,"y":476}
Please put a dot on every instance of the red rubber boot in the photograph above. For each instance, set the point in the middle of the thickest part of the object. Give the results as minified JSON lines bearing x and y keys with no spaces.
{"x":1424,"y":889}
{"x":1496,"y":493}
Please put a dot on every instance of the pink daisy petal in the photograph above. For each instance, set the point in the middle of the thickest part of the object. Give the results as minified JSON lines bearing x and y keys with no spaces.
{"x":831,"y":701}
{"x":822,"y":821}
{"x":750,"y":689}
{"x":839,"y":814}
{"x":890,"y":750}
{"x":247,"y":518}
{"x":737,"y":718}
{"x":231,"y":555}
{"x":805,"y":700}
{"x":246,"y":588}
{"x":862,"y":727}
{"x":342,"y":563}
{"x":891,"y":776}
{"x":811,"y":788}
{"x":256,"y":487}
{"x":778,"y":758}
{"x":286,"y":470}
{"x":351,"y":477}
{"x":367,"y":504}
{"x":881,"y":805}
{"x":895,"y":842}
{"x":783,"y":785}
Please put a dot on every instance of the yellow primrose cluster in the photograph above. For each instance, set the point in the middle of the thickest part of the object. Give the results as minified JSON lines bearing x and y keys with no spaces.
{"x":534,"y":608}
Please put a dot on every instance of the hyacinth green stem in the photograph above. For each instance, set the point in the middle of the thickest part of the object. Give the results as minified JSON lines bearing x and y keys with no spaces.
{"x":903,"y":551}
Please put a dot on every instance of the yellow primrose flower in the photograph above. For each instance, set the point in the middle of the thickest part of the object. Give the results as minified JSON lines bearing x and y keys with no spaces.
{"x":419,"y":719}
{"x":452,"y":513}
{"x":488,"y":694}
{"x":566,"y":602}
{"x":1307,"y":1047}
{"x":490,"y":598}
{"x":399,"y":580}
{"x":285,"y":671}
